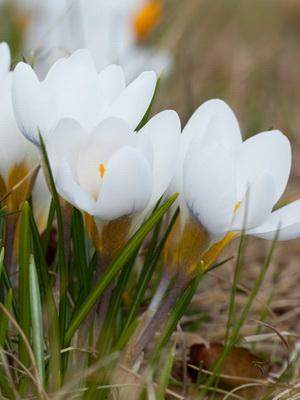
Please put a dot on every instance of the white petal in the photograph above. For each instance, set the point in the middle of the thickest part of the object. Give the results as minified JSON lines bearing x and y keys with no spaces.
{"x":268,"y":150}
{"x":41,"y":199}
{"x":74,"y":93}
{"x":65,"y":141}
{"x":32,"y":112}
{"x":210,"y":189}
{"x":126,"y":186}
{"x":257,"y":204}
{"x":108,"y":137}
{"x":286,"y":220}
{"x":12,"y":142}
{"x":132,"y":104}
{"x":4,"y":59}
{"x":164,"y":132}
{"x":82,"y":59}
{"x":111,"y":83}
{"x":69,"y":189}
{"x":225,"y":125}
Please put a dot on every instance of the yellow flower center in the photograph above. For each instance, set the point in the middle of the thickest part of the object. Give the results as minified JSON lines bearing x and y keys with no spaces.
{"x":147,"y":18}
{"x":101,"y":170}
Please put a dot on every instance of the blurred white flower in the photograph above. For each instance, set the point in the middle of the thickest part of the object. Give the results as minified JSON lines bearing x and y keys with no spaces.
{"x":74,"y":89}
{"x":228,"y":186}
{"x":111,"y":30}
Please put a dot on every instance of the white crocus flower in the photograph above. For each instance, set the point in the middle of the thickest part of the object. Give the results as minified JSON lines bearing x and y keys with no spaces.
{"x":73,"y":89}
{"x":227,"y":187}
{"x":113,"y":174}
{"x":17,"y":156}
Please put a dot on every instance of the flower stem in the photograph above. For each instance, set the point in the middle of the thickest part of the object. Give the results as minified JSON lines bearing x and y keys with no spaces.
{"x":152,"y":323}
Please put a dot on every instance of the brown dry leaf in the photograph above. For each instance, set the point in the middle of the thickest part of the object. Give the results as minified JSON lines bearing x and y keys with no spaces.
{"x":240,"y":366}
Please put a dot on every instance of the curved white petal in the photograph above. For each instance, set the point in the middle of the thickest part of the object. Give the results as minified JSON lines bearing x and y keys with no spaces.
{"x":69,"y":189}
{"x":257,"y":204}
{"x":4,"y":59}
{"x":82,"y":59}
{"x":126,"y":186}
{"x":225,"y":125}
{"x":65,"y":141}
{"x":31,"y":109}
{"x":132,"y":104}
{"x":16,"y":148}
{"x":268,"y":150}
{"x":107,"y":137}
{"x":41,"y":199}
{"x":111,"y":83}
{"x":163,"y":130}
{"x":209,"y":189}
{"x":286,"y":220}
{"x":74,"y":93}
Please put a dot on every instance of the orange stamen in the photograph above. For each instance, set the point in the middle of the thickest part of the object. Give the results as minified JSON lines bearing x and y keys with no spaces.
{"x":101,"y":170}
{"x":237,"y":206}
{"x":147,"y":18}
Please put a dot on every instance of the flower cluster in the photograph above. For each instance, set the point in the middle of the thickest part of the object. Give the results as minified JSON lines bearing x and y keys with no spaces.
{"x":115,"y":174}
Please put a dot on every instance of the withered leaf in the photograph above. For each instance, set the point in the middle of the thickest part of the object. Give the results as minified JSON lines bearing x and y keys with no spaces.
{"x":240,"y":366}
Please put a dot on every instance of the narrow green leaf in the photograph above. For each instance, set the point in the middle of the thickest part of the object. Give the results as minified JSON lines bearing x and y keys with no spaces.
{"x":108,"y":332}
{"x":49,"y":225}
{"x":63,"y":277}
{"x":50,"y":307}
{"x":126,"y":335}
{"x":1,"y":260}
{"x":37,"y":321}
{"x":4,"y":318}
{"x":231,"y":312}
{"x":5,"y":387}
{"x":8,"y":285}
{"x":24,"y":304}
{"x":115,"y":267}
{"x":80,"y":261}
{"x":165,"y":375}
{"x":147,"y":113}
{"x":2,"y":293}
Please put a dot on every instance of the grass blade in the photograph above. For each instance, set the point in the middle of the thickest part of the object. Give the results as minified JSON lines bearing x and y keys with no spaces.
{"x":24,"y":304}
{"x":147,"y":113}
{"x":37,"y":321}
{"x":4,"y":318}
{"x":61,"y":248}
{"x":50,"y":307}
{"x":165,"y":375}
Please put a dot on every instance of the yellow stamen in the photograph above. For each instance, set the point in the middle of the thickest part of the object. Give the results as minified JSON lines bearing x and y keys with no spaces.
{"x":101,"y":170}
{"x":147,"y":18}
{"x":237,"y":206}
